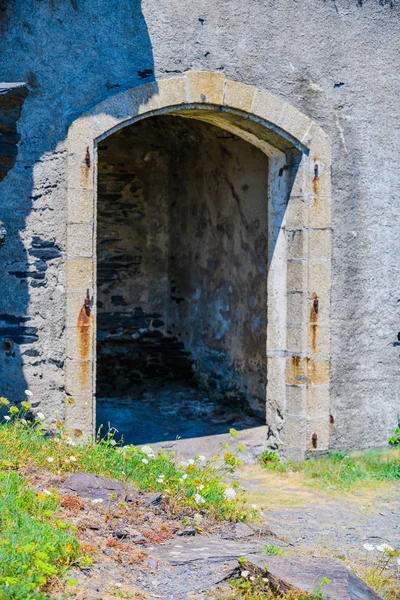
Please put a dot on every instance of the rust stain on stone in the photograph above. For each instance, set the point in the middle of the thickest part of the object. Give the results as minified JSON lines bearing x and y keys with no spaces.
{"x":318,"y":372}
{"x":298,"y":371}
{"x":307,"y":371}
{"x":84,"y":324}
{"x":316,"y":178}
{"x":314,"y":321}
{"x":85,"y":169}
{"x":295,"y":362}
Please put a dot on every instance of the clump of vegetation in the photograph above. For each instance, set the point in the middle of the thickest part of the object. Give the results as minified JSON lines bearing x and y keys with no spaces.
{"x":268,"y":458}
{"x":394,"y":440}
{"x":274,"y":550}
{"x":382,"y":570}
{"x":249,"y":587}
{"x":35,"y":547}
{"x":199,"y":484}
{"x":343,"y":471}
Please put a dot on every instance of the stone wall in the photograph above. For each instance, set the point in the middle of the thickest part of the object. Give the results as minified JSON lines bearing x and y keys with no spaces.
{"x":12,"y":96}
{"x":182,"y":260}
{"x":337,"y":62}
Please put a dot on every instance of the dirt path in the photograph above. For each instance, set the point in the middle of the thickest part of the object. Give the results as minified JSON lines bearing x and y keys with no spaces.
{"x":322,"y":524}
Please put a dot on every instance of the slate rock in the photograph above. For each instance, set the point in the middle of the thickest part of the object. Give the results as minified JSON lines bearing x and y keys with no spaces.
{"x":304,"y":574}
{"x":154,"y":500}
{"x":121,"y":535}
{"x":187,"y":550}
{"x":242,"y":530}
{"x":188,"y":531}
{"x":92,"y":486}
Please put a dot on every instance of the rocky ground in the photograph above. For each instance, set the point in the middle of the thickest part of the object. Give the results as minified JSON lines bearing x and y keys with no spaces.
{"x":143,"y":549}
{"x":322,"y":524}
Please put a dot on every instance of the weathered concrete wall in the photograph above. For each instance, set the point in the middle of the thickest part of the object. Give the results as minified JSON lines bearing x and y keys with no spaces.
{"x":182,"y":259}
{"x":337,"y":61}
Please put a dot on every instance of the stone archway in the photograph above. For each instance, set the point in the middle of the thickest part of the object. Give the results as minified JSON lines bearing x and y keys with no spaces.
{"x":298,"y":354}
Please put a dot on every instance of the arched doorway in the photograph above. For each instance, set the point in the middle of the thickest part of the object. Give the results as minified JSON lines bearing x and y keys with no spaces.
{"x":298,"y":240}
{"x":182,"y":263}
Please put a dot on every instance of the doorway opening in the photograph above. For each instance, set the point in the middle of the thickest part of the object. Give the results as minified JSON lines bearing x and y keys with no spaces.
{"x":182,"y":222}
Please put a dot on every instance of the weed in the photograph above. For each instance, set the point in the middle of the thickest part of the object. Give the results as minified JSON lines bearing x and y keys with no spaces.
{"x":395,"y":439}
{"x":274,"y":550}
{"x":268,"y":458}
{"x":382,"y":570}
{"x":247,"y":587}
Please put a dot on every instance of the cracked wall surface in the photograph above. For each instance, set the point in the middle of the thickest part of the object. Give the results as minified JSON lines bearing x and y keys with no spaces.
{"x":337,"y":62}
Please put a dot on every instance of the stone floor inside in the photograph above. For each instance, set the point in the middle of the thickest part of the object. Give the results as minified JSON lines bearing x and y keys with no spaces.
{"x":177,"y":415}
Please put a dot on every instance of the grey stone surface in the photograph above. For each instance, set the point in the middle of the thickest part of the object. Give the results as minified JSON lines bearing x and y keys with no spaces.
{"x":154,"y":499}
{"x":306,"y":574}
{"x":92,"y":486}
{"x":210,"y":549}
{"x":338,"y":62}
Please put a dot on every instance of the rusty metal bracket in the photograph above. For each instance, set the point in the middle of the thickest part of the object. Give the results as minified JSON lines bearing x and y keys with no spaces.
{"x":86,"y":302}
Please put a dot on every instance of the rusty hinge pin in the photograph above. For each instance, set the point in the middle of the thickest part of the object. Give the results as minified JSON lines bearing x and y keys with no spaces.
{"x":86,"y":302}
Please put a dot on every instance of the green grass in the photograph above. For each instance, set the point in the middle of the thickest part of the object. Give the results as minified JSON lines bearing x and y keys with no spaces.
{"x":194,"y":487}
{"x":35,"y":547}
{"x":341,"y":471}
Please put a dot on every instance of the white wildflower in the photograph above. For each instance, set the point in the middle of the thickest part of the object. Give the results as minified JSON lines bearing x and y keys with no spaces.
{"x":369,"y":547}
{"x":199,"y":499}
{"x":245,"y":574}
{"x":7,"y":418}
{"x":145,"y":461}
{"x":398,"y":561}
{"x":190,"y":461}
{"x":24,"y":422}
{"x":50,"y":459}
{"x":201,"y":487}
{"x":184,"y":476}
{"x":47,"y":492}
{"x":70,"y":442}
{"x":202,"y":458}
{"x":230,"y":494}
{"x":40,"y":416}
{"x":28,"y":393}
{"x":97,"y":501}
{"x":149,"y":451}
{"x":72,"y":458}
{"x":385,"y":548}
{"x":265,"y":579}
{"x":254,"y":506}
{"x":252,"y":578}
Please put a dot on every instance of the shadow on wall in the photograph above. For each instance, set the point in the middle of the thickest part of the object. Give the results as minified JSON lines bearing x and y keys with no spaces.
{"x":81,"y":60}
